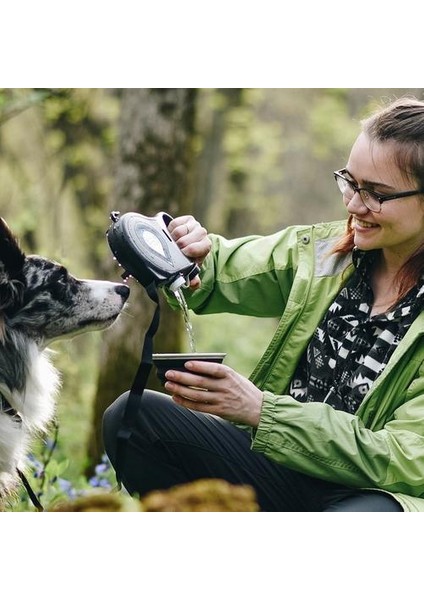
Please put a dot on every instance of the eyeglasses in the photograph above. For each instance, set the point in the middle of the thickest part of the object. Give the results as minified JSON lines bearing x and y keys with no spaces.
{"x":372,"y":200}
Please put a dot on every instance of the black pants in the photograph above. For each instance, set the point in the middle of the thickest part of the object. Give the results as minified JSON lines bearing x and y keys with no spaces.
{"x":172,"y":445}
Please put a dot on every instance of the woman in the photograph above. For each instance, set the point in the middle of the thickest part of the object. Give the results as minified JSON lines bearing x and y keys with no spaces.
{"x":332,"y":418}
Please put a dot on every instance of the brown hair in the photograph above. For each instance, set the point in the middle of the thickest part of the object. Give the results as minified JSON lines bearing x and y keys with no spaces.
{"x":402,"y":123}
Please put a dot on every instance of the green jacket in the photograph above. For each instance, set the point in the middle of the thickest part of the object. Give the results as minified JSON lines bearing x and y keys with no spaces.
{"x":292,"y":275}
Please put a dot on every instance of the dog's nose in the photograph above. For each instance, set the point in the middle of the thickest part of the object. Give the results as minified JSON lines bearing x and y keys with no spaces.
{"x":123,"y":290}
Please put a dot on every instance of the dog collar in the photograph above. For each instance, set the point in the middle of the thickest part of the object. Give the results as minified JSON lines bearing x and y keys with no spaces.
{"x":7,"y":409}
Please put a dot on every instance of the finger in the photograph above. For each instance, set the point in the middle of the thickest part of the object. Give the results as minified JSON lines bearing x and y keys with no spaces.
{"x":185,"y":233}
{"x":209,"y":369}
{"x":190,"y":396}
{"x":179,"y":381}
{"x":190,"y":232}
{"x":193,"y":387}
{"x":195,"y":240}
{"x":181,"y":226}
{"x":197,"y":250}
{"x":195,"y":283}
{"x":177,"y":222}
{"x":186,"y":403}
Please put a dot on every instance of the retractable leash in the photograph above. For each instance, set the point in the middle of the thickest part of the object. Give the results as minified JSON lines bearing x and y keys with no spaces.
{"x":144,"y":248}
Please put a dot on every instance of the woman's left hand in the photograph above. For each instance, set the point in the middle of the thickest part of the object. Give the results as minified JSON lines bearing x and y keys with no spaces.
{"x":216,"y":389}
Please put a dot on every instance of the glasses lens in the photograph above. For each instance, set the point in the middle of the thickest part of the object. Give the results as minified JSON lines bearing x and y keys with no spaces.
{"x":344,"y":186}
{"x":348,"y":190}
{"x":370,"y":201}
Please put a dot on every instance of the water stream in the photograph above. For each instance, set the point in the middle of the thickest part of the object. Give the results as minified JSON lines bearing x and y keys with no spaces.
{"x":188,"y":325}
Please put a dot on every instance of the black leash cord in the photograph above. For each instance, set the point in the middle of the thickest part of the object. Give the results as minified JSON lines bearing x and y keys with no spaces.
{"x":30,"y":492}
{"x":138,"y":386}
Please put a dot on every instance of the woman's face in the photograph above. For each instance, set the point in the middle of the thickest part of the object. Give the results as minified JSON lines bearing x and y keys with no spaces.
{"x":399,"y":228}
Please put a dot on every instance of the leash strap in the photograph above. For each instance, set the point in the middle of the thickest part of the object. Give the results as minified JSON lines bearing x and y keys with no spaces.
{"x":30,"y":492}
{"x":138,"y":386}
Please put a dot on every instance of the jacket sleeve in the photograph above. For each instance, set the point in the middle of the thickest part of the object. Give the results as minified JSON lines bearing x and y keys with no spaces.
{"x":336,"y":446}
{"x":249,"y":276}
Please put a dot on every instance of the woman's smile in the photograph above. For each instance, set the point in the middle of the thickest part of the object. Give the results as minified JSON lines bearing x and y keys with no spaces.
{"x":360,"y":224}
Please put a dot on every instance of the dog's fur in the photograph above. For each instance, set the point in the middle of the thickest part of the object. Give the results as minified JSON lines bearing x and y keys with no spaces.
{"x":39,"y":302}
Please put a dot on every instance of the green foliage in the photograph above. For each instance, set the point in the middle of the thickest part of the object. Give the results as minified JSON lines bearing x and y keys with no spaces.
{"x":333,"y":129}
{"x":52,"y":482}
{"x":15,"y":101}
{"x":244,"y":339}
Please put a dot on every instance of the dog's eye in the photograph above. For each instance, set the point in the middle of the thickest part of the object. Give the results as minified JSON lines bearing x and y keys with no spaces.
{"x":65,"y":283}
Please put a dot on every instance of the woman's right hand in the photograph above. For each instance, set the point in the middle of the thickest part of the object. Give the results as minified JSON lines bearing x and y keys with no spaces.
{"x":192,"y":239}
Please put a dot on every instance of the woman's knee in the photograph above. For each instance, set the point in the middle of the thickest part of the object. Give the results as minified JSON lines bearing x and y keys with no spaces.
{"x":113,"y":417}
{"x":143,"y":416}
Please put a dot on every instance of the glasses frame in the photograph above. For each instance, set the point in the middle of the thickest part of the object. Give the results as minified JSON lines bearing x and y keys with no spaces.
{"x":379,"y":197}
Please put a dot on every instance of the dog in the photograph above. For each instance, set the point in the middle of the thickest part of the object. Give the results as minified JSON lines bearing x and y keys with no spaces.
{"x":40,"y":302}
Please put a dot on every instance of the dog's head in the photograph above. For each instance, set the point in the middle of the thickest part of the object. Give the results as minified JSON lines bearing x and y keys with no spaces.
{"x":41,"y":299}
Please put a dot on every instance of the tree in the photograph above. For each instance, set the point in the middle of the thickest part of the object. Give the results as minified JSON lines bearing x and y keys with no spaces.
{"x":153,"y":173}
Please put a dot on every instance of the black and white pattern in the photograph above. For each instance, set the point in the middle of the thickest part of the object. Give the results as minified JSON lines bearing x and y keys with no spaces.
{"x":350,"y":348}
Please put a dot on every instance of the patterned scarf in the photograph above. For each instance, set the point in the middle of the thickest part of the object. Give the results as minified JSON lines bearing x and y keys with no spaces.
{"x":350,"y":348}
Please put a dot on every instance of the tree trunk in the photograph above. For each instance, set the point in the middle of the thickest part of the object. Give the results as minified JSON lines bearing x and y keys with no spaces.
{"x":153,"y":173}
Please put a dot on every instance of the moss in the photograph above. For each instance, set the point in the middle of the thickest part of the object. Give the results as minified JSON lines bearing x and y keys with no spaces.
{"x":203,"y":495}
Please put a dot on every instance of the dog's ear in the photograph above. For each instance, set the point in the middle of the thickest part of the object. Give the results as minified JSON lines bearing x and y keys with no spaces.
{"x":12,"y":261}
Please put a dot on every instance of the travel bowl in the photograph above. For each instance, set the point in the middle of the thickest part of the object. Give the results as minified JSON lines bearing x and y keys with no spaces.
{"x":166,"y":362}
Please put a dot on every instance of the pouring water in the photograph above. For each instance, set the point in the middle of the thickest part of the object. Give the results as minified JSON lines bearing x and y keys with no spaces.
{"x":188,"y":325}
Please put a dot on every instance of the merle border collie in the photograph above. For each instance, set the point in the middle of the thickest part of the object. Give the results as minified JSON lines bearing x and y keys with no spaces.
{"x":39,"y":302}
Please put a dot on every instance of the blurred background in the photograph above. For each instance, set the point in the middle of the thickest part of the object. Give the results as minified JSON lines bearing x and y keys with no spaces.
{"x":241,"y":160}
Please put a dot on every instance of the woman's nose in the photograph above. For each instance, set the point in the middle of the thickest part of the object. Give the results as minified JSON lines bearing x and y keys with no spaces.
{"x":356,"y":205}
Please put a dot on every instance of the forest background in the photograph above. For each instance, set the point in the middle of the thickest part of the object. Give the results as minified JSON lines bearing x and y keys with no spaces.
{"x":241,"y":160}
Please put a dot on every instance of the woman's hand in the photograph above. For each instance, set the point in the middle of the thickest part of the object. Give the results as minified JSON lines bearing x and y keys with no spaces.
{"x":216,"y":389}
{"x":192,"y":239}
